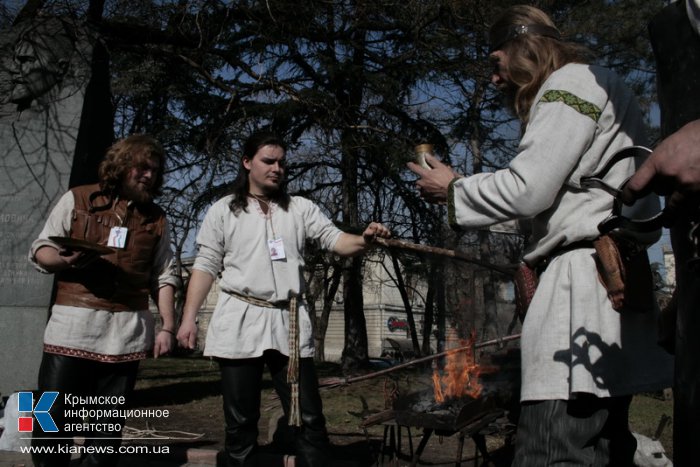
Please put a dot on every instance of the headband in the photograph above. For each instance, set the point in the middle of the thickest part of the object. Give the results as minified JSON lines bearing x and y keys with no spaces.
{"x":502,"y":35}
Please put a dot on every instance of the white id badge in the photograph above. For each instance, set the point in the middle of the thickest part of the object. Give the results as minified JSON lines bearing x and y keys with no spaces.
{"x":276,"y":247}
{"x":117,"y":237}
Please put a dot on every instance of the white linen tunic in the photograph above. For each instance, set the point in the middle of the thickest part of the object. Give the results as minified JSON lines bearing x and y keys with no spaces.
{"x":572,"y":339}
{"x":237,"y":246}
{"x":100,"y":335}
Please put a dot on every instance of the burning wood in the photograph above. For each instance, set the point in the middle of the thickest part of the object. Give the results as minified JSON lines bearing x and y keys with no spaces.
{"x":421,"y":410}
{"x":460,"y":376}
{"x":456,"y":398}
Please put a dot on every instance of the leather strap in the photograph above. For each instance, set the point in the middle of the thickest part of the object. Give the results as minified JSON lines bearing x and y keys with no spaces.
{"x":283,"y":304}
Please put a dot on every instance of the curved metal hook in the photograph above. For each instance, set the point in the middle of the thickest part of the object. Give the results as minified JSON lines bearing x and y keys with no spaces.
{"x":616,"y":220}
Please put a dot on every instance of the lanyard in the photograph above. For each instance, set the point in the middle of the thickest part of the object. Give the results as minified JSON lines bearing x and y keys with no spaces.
{"x":122,"y":222}
{"x":275,"y":245}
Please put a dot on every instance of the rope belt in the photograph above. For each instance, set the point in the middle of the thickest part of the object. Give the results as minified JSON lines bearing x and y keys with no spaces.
{"x":294,"y":353}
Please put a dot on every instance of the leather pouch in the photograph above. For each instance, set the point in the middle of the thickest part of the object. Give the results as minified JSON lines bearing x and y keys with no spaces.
{"x":625,"y":272}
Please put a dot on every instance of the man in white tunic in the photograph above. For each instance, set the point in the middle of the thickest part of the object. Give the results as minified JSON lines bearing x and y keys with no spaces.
{"x":581,"y":359}
{"x":255,"y":238}
{"x":100,"y":325}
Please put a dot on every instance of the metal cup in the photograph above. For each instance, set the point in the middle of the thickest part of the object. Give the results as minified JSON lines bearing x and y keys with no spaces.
{"x":421,"y":150}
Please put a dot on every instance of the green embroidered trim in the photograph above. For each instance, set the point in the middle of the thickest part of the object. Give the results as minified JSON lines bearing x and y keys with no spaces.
{"x":451,"y":215}
{"x":575,"y":102}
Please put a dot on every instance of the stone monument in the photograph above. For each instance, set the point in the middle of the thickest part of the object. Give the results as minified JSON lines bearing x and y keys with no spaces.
{"x":45,"y":71}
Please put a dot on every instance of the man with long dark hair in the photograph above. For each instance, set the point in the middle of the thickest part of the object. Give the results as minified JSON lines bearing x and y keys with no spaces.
{"x":581,"y":359}
{"x":255,"y":238}
{"x":100,"y":325}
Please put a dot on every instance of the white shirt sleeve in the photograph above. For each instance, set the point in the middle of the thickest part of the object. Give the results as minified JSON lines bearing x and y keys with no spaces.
{"x":211,"y":241}
{"x":164,"y":270}
{"x":556,"y":138}
{"x":318,"y":226}
{"x":57,"y":225}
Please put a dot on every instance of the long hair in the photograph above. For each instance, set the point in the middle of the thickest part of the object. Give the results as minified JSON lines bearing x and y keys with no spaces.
{"x":532,"y":57}
{"x":241,"y":186}
{"x":126,"y":154}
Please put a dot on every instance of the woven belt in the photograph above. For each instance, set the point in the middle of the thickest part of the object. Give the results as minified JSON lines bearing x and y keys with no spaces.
{"x":294,"y":352}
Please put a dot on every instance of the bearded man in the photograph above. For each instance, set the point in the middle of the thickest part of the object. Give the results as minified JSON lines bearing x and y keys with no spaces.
{"x":109,"y":246}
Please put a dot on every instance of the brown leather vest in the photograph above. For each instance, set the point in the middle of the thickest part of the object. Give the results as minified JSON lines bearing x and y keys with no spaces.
{"x":119,"y":281}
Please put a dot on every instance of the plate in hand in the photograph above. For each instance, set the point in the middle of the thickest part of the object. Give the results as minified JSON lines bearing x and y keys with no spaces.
{"x":84,"y":245}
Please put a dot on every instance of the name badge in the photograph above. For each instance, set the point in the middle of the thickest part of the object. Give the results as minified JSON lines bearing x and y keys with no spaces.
{"x":276,"y":247}
{"x":117,"y":237}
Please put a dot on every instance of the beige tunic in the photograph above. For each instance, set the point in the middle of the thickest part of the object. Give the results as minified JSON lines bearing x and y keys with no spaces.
{"x":237,"y":246}
{"x":573,"y":341}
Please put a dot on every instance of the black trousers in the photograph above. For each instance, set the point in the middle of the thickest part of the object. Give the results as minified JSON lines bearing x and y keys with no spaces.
{"x":588,"y":431}
{"x":686,"y":384}
{"x":241,"y":387}
{"x":80,"y":377}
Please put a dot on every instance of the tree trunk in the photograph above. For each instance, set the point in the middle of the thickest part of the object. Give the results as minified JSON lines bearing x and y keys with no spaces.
{"x":329,"y":290}
{"x":407,"y":305}
{"x":441,"y":311}
{"x":95,"y":9}
{"x":429,"y":310}
{"x":355,"y":353}
{"x":355,"y":350}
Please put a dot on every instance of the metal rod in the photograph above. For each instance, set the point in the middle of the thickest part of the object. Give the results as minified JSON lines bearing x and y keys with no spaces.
{"x":354,"y":379}
{"x":508,"y":270}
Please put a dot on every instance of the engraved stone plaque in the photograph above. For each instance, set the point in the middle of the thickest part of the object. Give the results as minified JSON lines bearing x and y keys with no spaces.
{"x":44,"y":71}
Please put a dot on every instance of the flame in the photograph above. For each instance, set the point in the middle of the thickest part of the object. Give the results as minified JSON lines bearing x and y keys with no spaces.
{"x":460,"y":376}
{"x":437,"y":386}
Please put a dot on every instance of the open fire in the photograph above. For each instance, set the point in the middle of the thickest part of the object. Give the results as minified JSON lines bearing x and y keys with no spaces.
{"x":464,"y":399}
{"x":460,"y":376}
{"x":456,"y":397}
